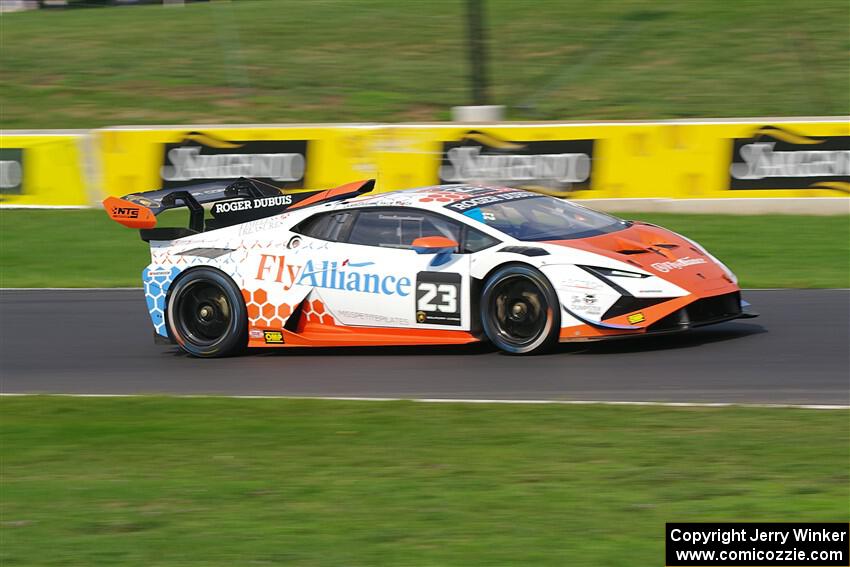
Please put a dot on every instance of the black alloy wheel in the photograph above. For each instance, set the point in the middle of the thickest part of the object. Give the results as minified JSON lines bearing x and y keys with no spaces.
{"x":206,"y":314}
{"x":520,"y":313}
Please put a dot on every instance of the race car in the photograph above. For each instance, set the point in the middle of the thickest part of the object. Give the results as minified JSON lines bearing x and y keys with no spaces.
{"x":447,"y":264}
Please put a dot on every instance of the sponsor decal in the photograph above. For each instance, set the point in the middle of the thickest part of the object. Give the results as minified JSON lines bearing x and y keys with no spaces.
{"x":585,"y":304}
{"x":255,"y":334}
{"x":635,"y":318}
{"x":273,"y":337}
{"x":576,"y":283}
{"x":374,"y":317}
{"x":438,"y":297}
{"x":665,"y":267}
{"x":251,"y":204}
{"x":125,"y":212}
{"x":260,"y":225}
{"x":777,"y":158}
{"x":11,"y":171}
{"x":474,"y":197}
{"x":560,"y":165}
{"x":201,"y":156}
{"x":345,"y":276}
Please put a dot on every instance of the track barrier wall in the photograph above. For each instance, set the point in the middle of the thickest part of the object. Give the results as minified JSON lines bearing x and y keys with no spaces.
{"x":44,"y":168}
{"x":740,"y":159}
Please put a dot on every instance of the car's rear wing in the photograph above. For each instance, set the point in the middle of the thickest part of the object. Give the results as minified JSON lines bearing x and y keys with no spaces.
{"x":233,"y":202}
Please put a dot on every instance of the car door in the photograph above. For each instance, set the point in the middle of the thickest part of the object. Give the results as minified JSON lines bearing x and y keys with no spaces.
{"x":373,"y":277}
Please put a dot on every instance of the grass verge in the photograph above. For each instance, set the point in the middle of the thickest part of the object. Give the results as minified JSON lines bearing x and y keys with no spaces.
{"x":273,"y":61}
{"x":44,"y":248}
{"x":164,"y":481}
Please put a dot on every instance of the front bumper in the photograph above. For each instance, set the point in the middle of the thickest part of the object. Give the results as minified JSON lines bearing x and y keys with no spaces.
{"x":699,"y":313}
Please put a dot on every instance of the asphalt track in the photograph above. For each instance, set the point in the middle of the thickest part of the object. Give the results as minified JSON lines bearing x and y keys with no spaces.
{"x":100,"y":342}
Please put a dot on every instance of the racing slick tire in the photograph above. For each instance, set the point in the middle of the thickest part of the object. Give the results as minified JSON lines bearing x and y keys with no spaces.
{"x":520,"y":312}
{"x":206,"y":314}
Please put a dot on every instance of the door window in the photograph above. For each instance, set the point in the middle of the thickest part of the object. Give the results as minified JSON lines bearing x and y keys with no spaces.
{"x":326,"y":226}
{"x":391,"y":228}
{"x":399,"y":228}
{"x":475,"y":241}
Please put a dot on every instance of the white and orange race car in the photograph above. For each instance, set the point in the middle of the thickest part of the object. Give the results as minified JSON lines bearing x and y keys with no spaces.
{"x":448,"y":264}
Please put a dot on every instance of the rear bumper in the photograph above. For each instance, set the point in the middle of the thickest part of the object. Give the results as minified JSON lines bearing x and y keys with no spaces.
{"x":160,"y":340}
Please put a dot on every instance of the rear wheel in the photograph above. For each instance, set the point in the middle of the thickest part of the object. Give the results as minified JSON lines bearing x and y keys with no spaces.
{"x":520,"y":313}
{"x":206,"y":314}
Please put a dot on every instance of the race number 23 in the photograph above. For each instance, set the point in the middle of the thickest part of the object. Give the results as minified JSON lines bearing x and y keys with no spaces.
{"x":438,"y":298}
{"x":444,"y":294}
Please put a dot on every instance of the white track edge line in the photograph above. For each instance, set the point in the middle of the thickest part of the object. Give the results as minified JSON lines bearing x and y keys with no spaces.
{"x":449,"y":400}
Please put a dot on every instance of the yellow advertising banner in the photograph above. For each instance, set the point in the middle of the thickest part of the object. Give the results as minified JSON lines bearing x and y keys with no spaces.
{"x":684,"y":159}
{"x":739,"y":158}
{"x":290,"y":157}
{"x":43,"y":168}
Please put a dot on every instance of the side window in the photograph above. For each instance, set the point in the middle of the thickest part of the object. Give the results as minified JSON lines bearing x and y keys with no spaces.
{"x":477,"y":241}
{"x":399,"y":228}
{"x":326,"y":226}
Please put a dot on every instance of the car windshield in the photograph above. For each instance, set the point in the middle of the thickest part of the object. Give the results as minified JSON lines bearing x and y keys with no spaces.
{"x":545,"y":218}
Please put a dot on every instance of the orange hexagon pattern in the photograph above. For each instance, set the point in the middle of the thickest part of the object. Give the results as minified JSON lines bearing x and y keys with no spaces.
{"x":441,"y":196}
{"x":315,"y":312}
{"x":264,"y":314}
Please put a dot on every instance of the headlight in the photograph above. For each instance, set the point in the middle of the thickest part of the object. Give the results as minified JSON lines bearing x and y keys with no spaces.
{"x":612,"y":273}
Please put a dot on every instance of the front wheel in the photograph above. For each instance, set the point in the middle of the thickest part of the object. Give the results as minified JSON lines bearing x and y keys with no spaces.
{"x":206,"y":314}
{"x":520,"y":312}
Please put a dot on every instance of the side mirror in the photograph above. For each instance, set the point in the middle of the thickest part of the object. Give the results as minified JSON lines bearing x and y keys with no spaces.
{"x":440,"y":245}
{"x":433,"y":244}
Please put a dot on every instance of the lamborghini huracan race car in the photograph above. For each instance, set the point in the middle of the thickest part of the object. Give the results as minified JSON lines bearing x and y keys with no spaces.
{"x":448,"y":264}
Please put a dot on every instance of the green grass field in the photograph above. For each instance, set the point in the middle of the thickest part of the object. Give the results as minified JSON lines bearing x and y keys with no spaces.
{"x":273,"y":61}
{"x":163,"y":482}
{"x":84,"y":248}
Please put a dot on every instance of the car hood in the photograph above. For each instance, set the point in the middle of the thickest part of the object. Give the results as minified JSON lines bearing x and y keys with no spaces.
{"x":659,"y":252}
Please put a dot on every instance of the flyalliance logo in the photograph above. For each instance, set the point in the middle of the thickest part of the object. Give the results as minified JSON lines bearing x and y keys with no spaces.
{"x":776,"y":158}
{"x":560,"y":165}
{"x":345,"y":275}
{"x":202,"y":156}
